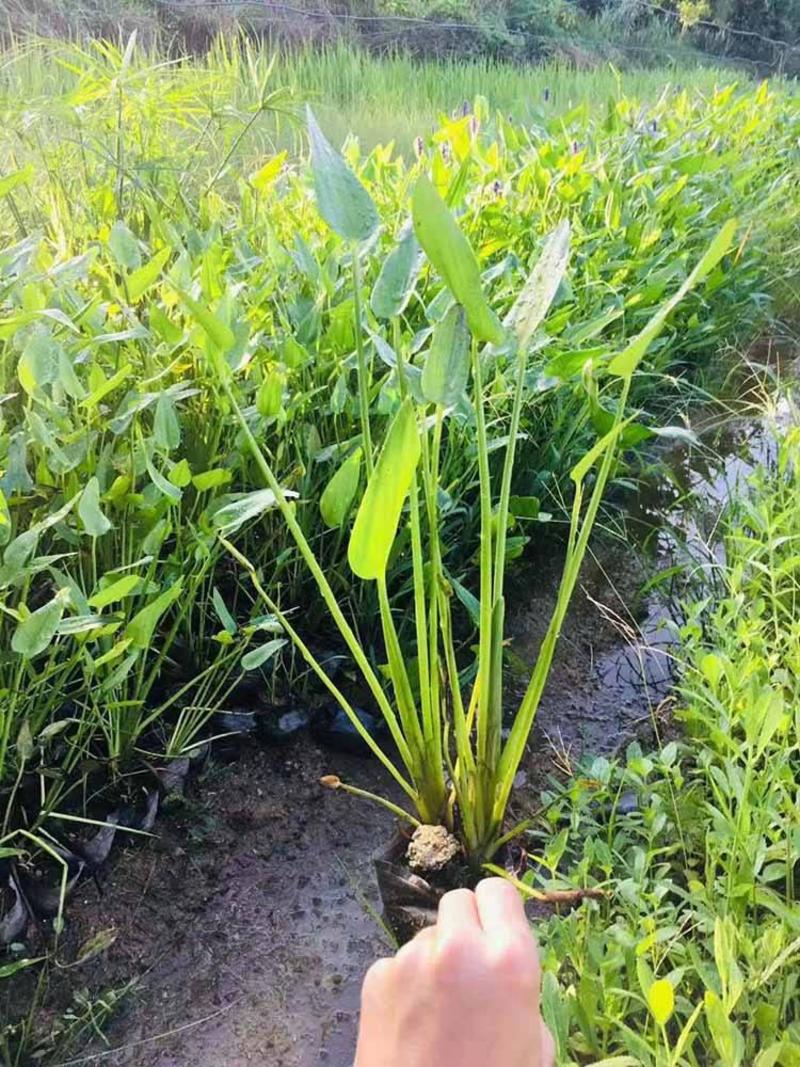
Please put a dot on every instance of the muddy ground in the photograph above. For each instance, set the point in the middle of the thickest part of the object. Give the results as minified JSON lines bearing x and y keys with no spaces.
{"x":248,"y":921}
{"x":251,"y":917}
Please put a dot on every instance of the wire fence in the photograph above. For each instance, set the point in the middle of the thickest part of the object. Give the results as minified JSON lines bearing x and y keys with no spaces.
{"x":277,"y":10}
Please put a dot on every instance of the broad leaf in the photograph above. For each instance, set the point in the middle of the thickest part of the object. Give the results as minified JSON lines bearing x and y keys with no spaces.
{"x":398,"y":276}
{"x":259,"y":656}
{"x":339,"y":493}
{"x":5,"y":520}
{"x":378,"y":516}
{"x":446,"y":370}
{"x":94,"y":521}
{"x":262,"y":179}
{"x":141,"y":627}
{"x":540,"y":289}
{"x":627,"y":361}
{"x":116,"y":591}
{"x":221,"y":609}
{"x":166,"y":427}
{"x":342,"y":200}
{"x":219,"y":334}
{"x":451,"y":254}
{"x":246,"y":507}
{"x":33,"y":635}
{"x":124,"y":247}
{"x":661,"y":1001}
{"x":269,"y":400}
{"x":140,"y":280}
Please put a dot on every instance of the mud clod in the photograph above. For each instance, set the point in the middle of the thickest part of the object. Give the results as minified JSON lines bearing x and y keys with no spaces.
{"x":432,"y":848}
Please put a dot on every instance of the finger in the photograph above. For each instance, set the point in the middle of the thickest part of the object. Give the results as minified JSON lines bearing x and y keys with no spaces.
{"x":501,"y":911}
{"x":458,"y":914}
{"x":377,"y":982}
{"x":548,"y":1056}
{"x":418,"y":946}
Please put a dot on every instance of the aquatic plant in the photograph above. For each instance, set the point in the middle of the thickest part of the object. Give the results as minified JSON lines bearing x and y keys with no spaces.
{"x":455,"y":767}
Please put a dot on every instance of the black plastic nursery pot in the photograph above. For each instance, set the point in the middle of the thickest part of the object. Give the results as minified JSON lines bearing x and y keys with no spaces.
{"x":410,"y":896}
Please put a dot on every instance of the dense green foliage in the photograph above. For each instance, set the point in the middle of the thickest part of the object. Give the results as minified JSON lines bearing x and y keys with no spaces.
{"x":703,"y":874}
{"x":121,"y":465}
{"x":149,"y":223}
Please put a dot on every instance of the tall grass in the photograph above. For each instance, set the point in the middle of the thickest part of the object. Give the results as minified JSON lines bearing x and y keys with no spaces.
{"x":357,"y":92}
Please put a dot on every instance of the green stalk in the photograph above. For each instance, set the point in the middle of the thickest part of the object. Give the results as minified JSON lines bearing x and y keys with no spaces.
{"x":435,"y":582}
{"x":485,"y":645}
{"x":505,"y":487}
{"x":319,"y":670}
{"x":430,"y":713}
{"x":363,"y":379}
{"x":335,"y":783}
{"x":318,"y":574}
{"x":523,"y":723}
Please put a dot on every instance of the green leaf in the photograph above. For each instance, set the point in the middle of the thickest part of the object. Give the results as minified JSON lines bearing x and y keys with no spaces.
{"x":617,"y":1061}
{"x":342,"y":200}
{"x":166,"y":428}
{"x":96,"y":944}
{"x":94,"y":521}
{"x":661,"y":1001}
{"x":68,"y":379}
{"x":124,"y":247}
{"x":211,"y":479}
{"x":398,"y":276}
{"x":446,"y":371}
{"x":116,"y":591}
{"x":181,"y":474}
{"x":730,"y":976}
{"x":5,"y":520}
{"x":141,"y":280}
{"x":34,"y":634}
{"x":269,"y":400}
{"x":451,"y":254}
{"x":39,"y":363}
{"x":525,"y":507}
{"x":9,"y":182}
{"x":219,"y":334}
{"x":139,"y":630}
{"x":172,"y":492}
{"x":338,"y":495}
{"x":259,"y":656}
{"x":8,"y":969}
{"x":221,"y":609}
{"x":378,"y":516}
{"x":588,"y":460}
{"x":727,"y":1039}
{"x":25,"y":741}
{"x":249,"y":506}
{"x":627,"y":361}
{"x":540,"y":289}
{"x":262,"y":179}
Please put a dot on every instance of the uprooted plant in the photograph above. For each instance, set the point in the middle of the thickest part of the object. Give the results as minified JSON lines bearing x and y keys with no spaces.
{"x":452,"y":761}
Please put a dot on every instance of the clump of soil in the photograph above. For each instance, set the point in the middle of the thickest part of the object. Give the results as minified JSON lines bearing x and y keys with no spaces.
{"x":431,"y":848}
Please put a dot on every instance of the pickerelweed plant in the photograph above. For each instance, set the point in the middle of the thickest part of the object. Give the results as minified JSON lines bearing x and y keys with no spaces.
{"x":452,"y":761}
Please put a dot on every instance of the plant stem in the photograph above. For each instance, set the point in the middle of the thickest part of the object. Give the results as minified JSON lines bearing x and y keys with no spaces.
{"x":363,"y":378}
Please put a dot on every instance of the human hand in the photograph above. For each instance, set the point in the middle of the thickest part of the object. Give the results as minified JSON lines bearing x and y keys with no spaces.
{"x":464,"y":992}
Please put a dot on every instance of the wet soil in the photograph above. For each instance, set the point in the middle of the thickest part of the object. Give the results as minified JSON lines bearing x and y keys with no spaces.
{"x":249,"y":920}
